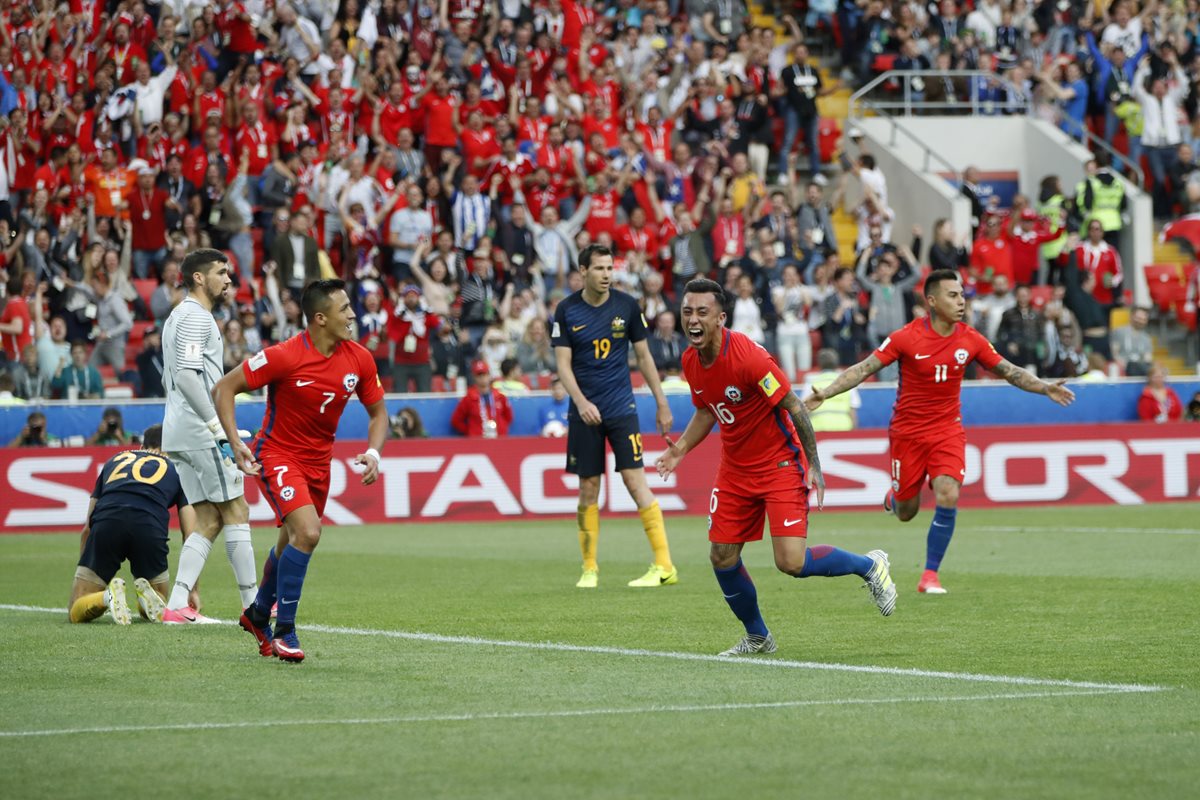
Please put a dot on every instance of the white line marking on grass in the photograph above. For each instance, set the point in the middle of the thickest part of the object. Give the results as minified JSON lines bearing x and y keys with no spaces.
{"x":562,"y":647}
{"x":518,"y":715}
{"x":1095,"y":529}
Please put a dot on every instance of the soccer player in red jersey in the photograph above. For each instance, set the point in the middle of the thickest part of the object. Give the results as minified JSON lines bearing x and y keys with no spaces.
{"x":309,"y":380}
{"x":926,"y":433}
{"x":769,"y":466}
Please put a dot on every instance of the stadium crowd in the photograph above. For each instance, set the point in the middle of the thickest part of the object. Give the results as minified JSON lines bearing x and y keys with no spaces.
{"x":450,"y":159}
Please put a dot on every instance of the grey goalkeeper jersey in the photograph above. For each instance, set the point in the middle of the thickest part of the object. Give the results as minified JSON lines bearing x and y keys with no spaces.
{"x":191,"y":340}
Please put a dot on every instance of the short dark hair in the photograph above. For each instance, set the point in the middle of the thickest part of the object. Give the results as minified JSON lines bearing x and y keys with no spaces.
{"x":591,"y":251}
{"x":201,"y":260}
{"x":152,"y":437}
{"x":508,"y":365}
{"x":867,"y":161}
{"x":316,"y":296}
{"x":706,"y":286}
{"x":938,"y":276}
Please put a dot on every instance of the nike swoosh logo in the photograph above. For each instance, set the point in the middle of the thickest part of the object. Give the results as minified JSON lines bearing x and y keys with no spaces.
{"x":284,"y":602}
{"x":304,"y":383}
{"x":940,"y":525}
{"x":698,"y":391}
{"x":787,"y":523}
{"x":918,"y":358}
{"x":577,"y":327}
{"x":731,"y":596}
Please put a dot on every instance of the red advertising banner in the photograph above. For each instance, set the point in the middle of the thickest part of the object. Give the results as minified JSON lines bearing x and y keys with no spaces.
{"x":482,"y":480}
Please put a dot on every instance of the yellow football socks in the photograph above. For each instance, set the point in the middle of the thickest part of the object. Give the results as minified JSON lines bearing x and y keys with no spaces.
{"x":88,"y":607}
{"x":589,"y":534}
{"x":656,"y":532}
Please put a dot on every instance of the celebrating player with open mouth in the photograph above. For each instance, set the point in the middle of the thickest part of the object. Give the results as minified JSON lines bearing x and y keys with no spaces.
{"x":926,"y":434}
{"x":309,"y":379}
{"x":769,"y":466}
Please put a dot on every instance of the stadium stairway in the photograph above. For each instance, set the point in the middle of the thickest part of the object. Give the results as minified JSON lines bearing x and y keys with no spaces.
{"x":835,"y":106}
{"x":1164,"y":354}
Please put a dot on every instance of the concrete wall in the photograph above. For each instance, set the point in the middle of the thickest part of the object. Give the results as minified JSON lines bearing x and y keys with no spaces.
{"x":918,"y":197}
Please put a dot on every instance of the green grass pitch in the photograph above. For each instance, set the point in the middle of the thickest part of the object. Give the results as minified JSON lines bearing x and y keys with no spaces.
{"x":1093,"y":604}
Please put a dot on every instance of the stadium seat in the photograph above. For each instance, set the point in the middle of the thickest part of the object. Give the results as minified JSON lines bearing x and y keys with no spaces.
{"x":145,"y":288}
{"x":107,"y":374}
{"x":119,"y":391}
{"x":636,"y":379}
{"x":1165,"y":282}
{"x":138,"y":332}
{"x":1040,"y":295}
{"x":438,"y":384}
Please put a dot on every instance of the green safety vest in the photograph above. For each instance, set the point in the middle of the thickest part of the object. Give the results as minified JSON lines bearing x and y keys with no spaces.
{"x":834,"y":414}
{"x":1106,"y":204}
{"x":1049,"y":209}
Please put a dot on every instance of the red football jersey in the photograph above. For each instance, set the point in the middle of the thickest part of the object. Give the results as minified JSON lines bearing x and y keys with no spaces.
{"x":306,"y":395}
{"x":743,"y":389}
{"x":928,"y":402}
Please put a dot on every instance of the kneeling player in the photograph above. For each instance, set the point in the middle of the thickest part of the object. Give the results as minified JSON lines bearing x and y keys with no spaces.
{"x":769,"y":465}
{"x":127,"y":520}
{"x":310,"y":378}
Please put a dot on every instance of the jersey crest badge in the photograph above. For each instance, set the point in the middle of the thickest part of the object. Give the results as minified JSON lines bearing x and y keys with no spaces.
{"x":733,"y":394}
{"x":768,"y":384}
{"x":961,"y":355}
{"x":349,"y":381}
{"x":287,"y":493}
{"x":258,"y":360}
{"x":618,"y":327}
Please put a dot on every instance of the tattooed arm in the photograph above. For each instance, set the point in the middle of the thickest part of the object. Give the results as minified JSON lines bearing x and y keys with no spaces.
{"x":844,"y":382}
{"x":1027,"y":381}
{"x":808,"y":440}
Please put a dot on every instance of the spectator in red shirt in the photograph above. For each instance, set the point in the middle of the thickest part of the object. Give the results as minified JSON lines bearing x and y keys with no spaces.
{"x":16,"y":324}
{"x":1158,"y":401}
{"x":148,"y":213}
{"x":238,"y":39}
{"x":992,"y":255}
{"x":441,"y":120}
{"x":412,"y":328}
{"x":1099,"y":258}
{"x":483,"y":411}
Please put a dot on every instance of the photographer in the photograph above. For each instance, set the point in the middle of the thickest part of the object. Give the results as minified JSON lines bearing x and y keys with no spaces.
{"x":34,"y":434}
{"x":111,"y":430}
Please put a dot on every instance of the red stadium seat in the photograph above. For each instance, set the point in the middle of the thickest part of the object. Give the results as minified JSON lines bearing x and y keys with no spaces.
{"x":828,"y":134}
{"x":1040,"y":295}
{"x":438,"y":384}
{"x":1165,"y":282}
{"x":138,"y":332}
{"x":145,"y":288}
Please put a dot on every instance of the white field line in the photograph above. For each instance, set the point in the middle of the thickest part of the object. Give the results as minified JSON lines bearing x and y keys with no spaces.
{"x":519,"y":715}
{"x":1008,"y":680}
{"x":1059,"y":529}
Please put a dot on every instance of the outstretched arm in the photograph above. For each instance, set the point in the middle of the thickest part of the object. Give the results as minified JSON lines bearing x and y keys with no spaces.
{"x":1027,"y":381}
{"x":697,"y":429}
{"x":844,"y":382}
{"x":808,"y":440}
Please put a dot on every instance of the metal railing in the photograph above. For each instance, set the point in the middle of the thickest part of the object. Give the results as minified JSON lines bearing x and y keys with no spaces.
{"x":902,"y":93}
